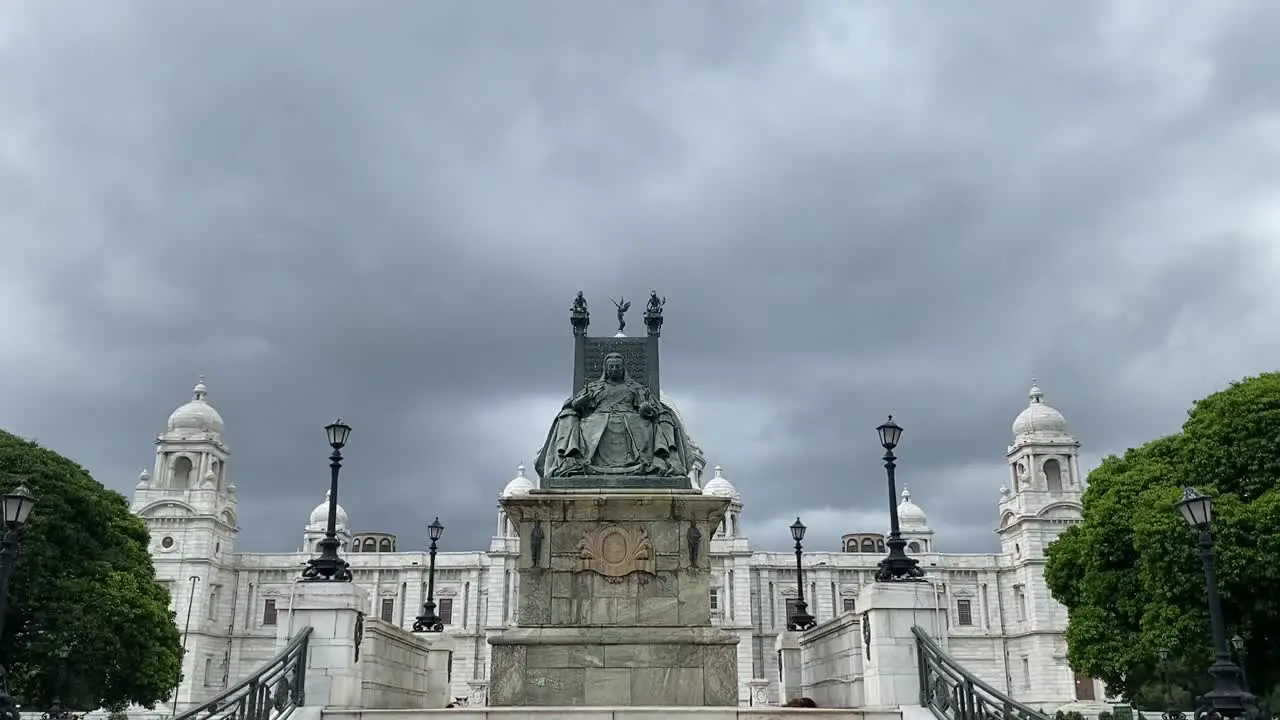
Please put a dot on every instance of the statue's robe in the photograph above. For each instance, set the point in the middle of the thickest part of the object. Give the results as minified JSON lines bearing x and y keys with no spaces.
{"x":600,"y":431}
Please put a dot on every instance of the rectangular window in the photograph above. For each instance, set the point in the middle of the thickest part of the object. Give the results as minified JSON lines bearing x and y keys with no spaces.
{"x":208,"y":672}
{"x":445,"y":611}
{"x":849,"y":604}
{"x":269,"y":611}
{"x":1026,"y":673}
{"x":715,"y":600}
{"x":1020,"y":601}
{"x":388,"y":611}
{"x":791,"y":610}
{"x":964,"y":612}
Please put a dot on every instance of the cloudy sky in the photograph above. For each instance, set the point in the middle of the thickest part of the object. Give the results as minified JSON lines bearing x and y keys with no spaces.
{"x":382,"y":210}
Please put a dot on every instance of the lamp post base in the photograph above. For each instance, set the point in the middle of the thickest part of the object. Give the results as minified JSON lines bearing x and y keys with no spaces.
{"x":801,"y":620}
{"x":898,"y":567}
{"x":428,"y":621}
{"x":1228,"y":699}
{"x":327,"y":569}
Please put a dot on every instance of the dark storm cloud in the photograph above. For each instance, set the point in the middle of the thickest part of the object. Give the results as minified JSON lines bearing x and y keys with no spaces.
{"x":382,"y":213}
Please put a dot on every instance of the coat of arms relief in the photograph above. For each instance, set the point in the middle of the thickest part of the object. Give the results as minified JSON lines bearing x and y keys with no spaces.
{"x":615,"y":552}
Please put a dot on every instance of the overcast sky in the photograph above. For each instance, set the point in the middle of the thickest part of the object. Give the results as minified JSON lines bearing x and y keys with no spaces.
{"x":382,"y":211}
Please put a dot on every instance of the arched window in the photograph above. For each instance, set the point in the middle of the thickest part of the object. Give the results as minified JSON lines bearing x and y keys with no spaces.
{"x":880,"y":545}
{"x":913,"y":546}
{"x":355,"y":545}
{"x":1053,"y":475}
{"x":851,"y":546}
{"x":182,"y":472}
{"x":868,"y":545}
{"x":384,"y":545}
{"x":370,"y":545}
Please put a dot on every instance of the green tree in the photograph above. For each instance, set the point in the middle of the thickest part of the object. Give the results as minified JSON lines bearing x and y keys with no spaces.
{"x":1130,"y":573}
{"x":84,"y":583}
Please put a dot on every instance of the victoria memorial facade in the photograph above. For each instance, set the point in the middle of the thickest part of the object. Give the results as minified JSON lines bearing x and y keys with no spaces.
{"x":999,"y":618}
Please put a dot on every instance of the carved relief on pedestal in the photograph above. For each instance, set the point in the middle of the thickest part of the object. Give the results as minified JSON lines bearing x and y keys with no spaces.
{"x":616,"y":552}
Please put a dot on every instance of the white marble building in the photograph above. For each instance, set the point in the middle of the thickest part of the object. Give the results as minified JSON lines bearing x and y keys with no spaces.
{"x":1001,"y":621}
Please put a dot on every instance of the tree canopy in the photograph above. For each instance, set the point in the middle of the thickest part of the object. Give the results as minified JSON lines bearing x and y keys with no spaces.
{"x":1130,"y":573}
{"x":84,"y":583}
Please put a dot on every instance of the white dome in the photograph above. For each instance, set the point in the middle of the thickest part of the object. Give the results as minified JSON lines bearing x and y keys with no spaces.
{"x":1039,"y":420}
{"x":197,"y":416}
{"x":909,"y":514}
{"x":320,"y":516}
{"x":519,"y":485}
{"x":720,"y":487}
{"x":144,"y":478}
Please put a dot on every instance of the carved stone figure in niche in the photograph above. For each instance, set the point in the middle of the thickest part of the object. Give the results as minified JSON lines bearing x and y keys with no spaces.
{"x":614,"y":426}
{"x":536,"y":536}
{"x":1022,"y":477}
{"x":695,"y":543}
{"x":623,"y":306}
{"x":615,"y":552}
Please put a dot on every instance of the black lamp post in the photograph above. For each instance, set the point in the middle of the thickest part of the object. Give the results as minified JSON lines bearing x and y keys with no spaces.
{"x":1171,"y":709}
{"x":800,"y":620}
{"x":330,"y":567}
{"x":14,"y":509}
{"x":1228,"y":698}
{"x":429,"y":621}
{"x":56,"y":710}
{"x":1242,"y":659}
{"x":896,"y":566}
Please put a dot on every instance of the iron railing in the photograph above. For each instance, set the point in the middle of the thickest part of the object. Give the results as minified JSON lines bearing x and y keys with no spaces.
{"x":954,"y":693}
{"x":269,"y":694}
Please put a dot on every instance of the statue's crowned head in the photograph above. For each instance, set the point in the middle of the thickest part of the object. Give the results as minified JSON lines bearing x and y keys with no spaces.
{"x":615,"y":368}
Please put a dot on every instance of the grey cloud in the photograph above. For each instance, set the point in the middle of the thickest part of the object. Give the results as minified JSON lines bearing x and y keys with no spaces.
{"x":383,"y":214}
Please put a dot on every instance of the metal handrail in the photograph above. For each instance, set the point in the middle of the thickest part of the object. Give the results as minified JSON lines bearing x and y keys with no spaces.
{"x":954,"y":693}
{"x":269,"y":694}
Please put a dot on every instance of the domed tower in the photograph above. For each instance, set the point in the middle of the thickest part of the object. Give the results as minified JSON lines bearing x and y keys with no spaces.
{"x":189,"y":480}
{"x":731,"y":528}
{"x":519,"y":485}
{"x":188,"y":501}
{"x":913,"y":523}
{"x":1041,"y":496}
{"x":318,"y":523}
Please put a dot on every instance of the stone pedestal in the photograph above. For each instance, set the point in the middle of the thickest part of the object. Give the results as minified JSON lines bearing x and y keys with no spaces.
{"x":614,"y":603}
{"x":332,"y":609}
{"x":891,"y":675}
{"x":789,"y":665}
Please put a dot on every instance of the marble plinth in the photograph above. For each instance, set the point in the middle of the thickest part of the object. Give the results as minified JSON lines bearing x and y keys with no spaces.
{"x":614,"y":603}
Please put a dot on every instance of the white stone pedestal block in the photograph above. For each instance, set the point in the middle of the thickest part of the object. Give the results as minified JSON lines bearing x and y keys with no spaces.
{"x":891,"y":675}
{"x":791,"y":664}
{"x":332,"y":610}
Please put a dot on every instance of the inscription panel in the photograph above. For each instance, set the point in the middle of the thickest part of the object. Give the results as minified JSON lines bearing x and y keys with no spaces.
{"x":634,"y":352}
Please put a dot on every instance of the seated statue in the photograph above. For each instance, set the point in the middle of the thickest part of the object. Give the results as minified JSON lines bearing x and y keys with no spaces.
{"x":614,"y":426}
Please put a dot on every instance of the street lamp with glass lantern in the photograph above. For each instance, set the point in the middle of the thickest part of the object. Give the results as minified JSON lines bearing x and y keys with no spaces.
{"x":56,"y":709}
{"x":1228,"y":698}
{"x":800,"y":620}
{"x":896,"y":566}
{"x":328,"y":566}
{"x":1171,"y":709}
{"x":15,"y":508}
{"x":1242,"y":659}
{"x":429,"y":621}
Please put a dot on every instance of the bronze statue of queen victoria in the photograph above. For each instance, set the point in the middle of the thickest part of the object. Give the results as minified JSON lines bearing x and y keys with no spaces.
{"x":614,"y":426}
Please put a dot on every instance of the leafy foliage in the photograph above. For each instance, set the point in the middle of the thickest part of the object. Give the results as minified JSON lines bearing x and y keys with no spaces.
{"x":83,"y":584}
{"x":1130,"y":574}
